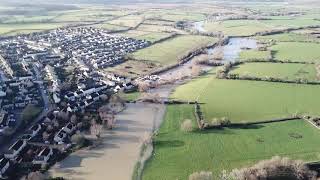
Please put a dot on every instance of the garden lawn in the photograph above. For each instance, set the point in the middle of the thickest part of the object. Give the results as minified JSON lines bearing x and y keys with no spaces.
{"x":170,"y":51}
{"x":255,"y":55}
{"x":297,"y":51}
{"x":178,"y":154}
{"x":30,"y":112}
{"x":132,"y":96}
{"x":277,"y":70}
{"x":250,"y":101}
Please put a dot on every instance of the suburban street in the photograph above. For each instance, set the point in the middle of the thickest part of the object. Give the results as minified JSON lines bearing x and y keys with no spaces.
{"x":47,"y":107}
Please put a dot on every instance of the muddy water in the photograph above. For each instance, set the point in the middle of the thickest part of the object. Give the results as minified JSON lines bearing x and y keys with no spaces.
{"x":232,"y":50}
{"x":231,"y":53}
{"x":199,"y":26}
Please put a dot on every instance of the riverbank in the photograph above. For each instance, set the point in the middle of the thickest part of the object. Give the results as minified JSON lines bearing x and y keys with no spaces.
{"x":115,"y":158}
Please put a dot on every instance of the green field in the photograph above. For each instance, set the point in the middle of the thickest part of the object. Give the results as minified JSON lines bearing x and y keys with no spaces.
{"x":178,"y":154}
{"x":236,"y":27}
{"x":291,"y":22}
{"x":248,"y":101}
{"x":255,"y":55}
{"x":297,"y":51}
{"x":170,"y":51}
{"x":130,"y":96}
{"x":183,"y":16}
{"x":288,"y":37}
{"x":129,"y":21}
{"x":110,"y":27}
{"x":152,"y":37}
{"x":132,"y":68}
{"x":13,"y":29}
{"x":149,"y":36}
{"x":277,"y":70}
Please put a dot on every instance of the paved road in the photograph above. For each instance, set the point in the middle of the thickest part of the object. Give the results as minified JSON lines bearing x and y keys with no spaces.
{"x":44,"y":95}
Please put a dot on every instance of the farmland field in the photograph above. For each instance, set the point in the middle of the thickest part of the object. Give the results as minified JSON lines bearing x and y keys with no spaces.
{"x":149,"y":36}
{"x":255,"y":54}
{"x":291,"y":23}
{"x":170,"y":51}
{"x":276,"y":70}
{"x":13,"y":29}
{"x":236,"y":27}
{"x":178,"y":154}
{"x":132,"y":68}
{"x":297,"y":51}
{"x":111,"y":27}
{"x":288,"y":37}
{"x":129,"y":21}
{"x":248,"y":101}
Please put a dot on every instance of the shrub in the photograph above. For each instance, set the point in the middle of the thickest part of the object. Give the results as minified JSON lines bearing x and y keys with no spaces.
{"x":202,"y":59}
{"x":275,"y":168}
{"x":201,"y":176}
{"x":215,"y":122}
{"x":151,"y":98}
{"x":29,"y":113}
{"x":78,"y":139}
{"x":196,"y":70}
{"x":143,"y":86}
{"x":186,"y":126}
{"x":225,"y":121}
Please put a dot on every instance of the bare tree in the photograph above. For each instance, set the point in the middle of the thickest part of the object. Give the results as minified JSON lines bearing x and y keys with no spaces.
{"x":35,"y":176}
{"x":218,"y":54}
{"x":151,"y":97}
{"x":196,"y":70}
{"x":201,"y":176}
{"x":275,"y":168}
{"x":73,"y":119}
{"x":95,"y":129}
{"x":187,"y":126}
{"x":143,"y":86}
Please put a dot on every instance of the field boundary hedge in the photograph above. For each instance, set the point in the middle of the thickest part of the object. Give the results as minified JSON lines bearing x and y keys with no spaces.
{"x":208,"y":126}
{"x":198,"y":115}
{"x":270,"y":79}
{"x":171,"y":36}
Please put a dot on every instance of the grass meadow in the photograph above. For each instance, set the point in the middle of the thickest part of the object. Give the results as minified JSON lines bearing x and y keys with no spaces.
{"x":297,"y":51}
{"x":288,"y":37}
{"x":178,"y":154}
{"x":170,"y":51}
{"x":13,"y":29}
{"x":236,"y":27}
{"x":277,"y":70}
{"x":254,"y":54}
{"x":249,"y":101}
